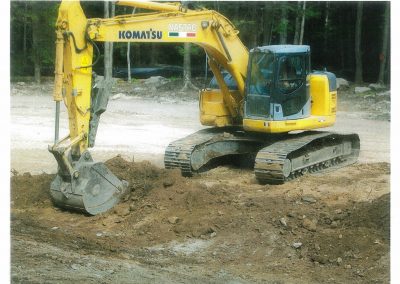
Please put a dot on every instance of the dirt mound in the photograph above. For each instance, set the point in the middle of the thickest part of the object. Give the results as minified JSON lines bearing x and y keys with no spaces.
{"x":143,"y":176}
{"x":28,"y":191}
{"x":174,"y":201}
{"x":375,"y":214}
{"x":335,"y":223}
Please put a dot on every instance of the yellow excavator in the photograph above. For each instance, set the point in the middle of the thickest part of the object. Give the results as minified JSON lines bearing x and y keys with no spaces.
{"x":266,"y":115}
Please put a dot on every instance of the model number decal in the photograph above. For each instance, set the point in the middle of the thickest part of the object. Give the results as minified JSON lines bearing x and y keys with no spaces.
{"x":191,"y":28}
{"x":182,"y":30}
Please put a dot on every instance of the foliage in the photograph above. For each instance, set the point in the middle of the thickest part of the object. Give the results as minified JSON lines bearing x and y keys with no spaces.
{"x":194,"y":50}
{"x":23,"y":15}
{"x":332,"y":45}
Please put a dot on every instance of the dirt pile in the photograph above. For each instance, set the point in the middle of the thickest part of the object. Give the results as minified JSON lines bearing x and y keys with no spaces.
{"x":30,"y":191}
{"x":375,"y":214}
{"x":223,"y":220}
{"x":143,"y":176}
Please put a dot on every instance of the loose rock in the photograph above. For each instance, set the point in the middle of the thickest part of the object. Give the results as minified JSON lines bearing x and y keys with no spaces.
{"x":75,"y":266}
{"x":118,"y":220}
{"x":377,"y":87}
{"x":360,"y":273}
{"x":322,"y":259}
{"x":308,"y":199}
{"x":132,"y":207}
{"x":339,"y":261}
{"x":360,"y":90}
{"x":173,"y":220}
{"x":291,"y":214}
{"x":309,"y":225}
{"x":297,"y":245}
{"x":168,"y":182}
{"x":156,"y":81}
{"x":122,"y":210}
{"x":342,"y":83}
{"x":384,"y":94}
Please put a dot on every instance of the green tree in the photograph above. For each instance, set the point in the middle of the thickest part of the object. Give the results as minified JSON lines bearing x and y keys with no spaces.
{"x":385,"y":43}
{"x":34,"y":20}
{"x":358,"y":51}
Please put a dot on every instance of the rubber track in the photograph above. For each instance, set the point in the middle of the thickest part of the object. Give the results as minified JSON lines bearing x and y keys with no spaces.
{"x":178,"y":153}
{"x":269,"y":161}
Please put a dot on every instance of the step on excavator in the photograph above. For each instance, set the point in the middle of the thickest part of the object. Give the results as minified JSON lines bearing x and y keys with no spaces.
{"x":268,"y":115}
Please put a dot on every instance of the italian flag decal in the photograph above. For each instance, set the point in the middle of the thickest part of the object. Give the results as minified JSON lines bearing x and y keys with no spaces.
{"x":181,"y":34}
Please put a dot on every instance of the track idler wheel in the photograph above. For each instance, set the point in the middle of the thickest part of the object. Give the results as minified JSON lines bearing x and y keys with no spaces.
{"x":91,"y":188}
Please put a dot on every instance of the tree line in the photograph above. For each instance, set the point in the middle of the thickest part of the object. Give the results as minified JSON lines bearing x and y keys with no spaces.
{"x":351,"y":39}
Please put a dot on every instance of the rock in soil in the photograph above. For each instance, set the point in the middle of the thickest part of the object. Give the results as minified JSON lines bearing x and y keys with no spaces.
{"x":310,"y":225}
{"x":173,"y":220}
{"x":122,"y":210}
{"x":297,"y":245}
{"x":308,"y":199}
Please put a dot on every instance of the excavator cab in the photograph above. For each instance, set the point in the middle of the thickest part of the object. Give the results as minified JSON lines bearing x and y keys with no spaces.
{"x":282,"y":94}
{"x":277,"y":84}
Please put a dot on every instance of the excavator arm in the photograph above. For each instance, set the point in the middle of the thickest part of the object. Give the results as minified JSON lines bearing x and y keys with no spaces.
{"x":81,"y":183}
{"x":207,"y":29}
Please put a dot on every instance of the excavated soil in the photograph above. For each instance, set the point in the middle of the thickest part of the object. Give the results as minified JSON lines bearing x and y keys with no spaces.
{"x":219,"y":226}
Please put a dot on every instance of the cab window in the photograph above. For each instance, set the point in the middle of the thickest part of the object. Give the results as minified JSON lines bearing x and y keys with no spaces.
{"x":291,"y":73}
{"x":261,"y":73}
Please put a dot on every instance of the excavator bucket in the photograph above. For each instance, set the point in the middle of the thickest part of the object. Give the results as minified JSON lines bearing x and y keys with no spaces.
{"x":92,"y":188}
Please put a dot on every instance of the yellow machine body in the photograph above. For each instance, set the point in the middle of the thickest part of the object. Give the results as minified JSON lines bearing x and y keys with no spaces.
{"x":213,"y":110}
{"x":323,"y":111}
{"x":85,"y":185}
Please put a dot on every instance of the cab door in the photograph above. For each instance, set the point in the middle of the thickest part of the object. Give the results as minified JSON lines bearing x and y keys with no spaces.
{"x":291,"y":87}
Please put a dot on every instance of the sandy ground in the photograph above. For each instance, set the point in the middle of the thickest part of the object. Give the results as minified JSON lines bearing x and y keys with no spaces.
{"x":217,"y":227}
{"x":143,"y":128}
